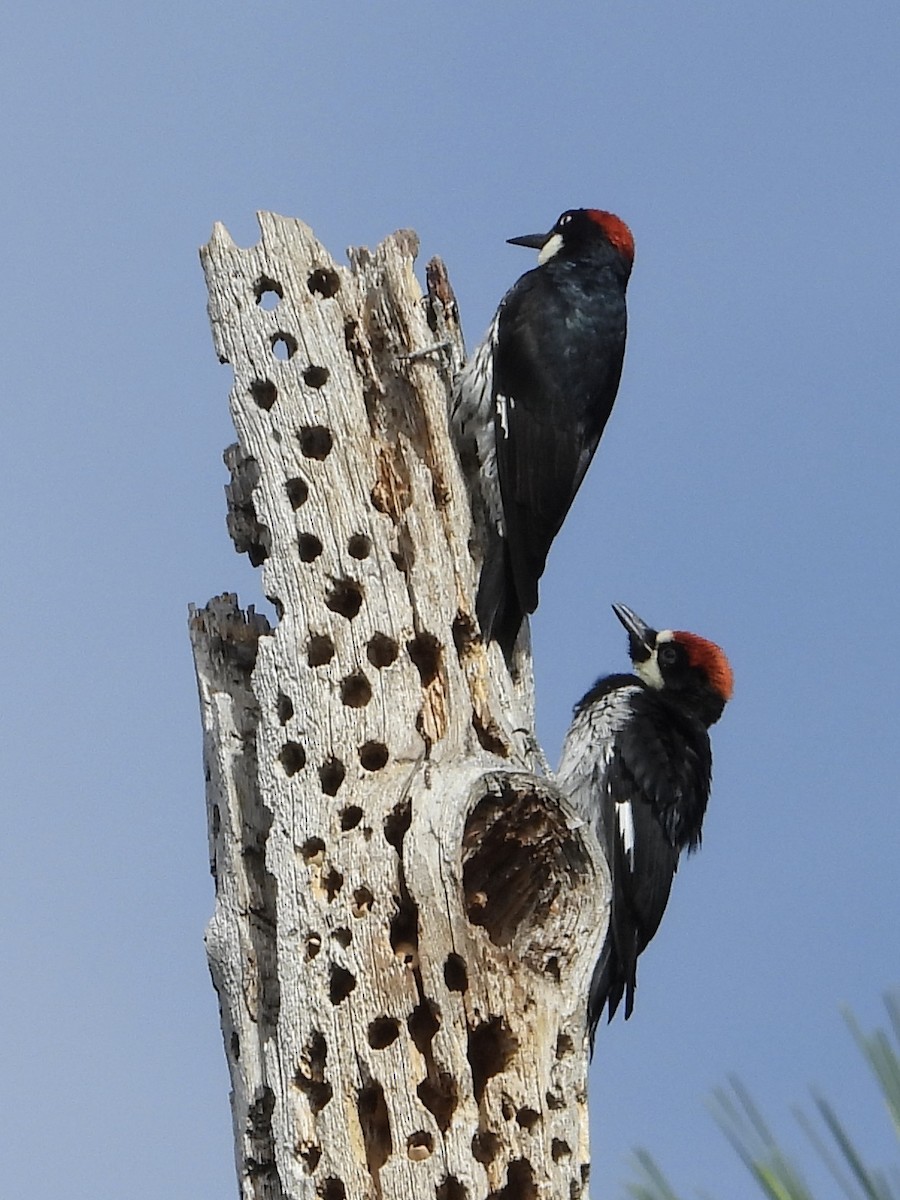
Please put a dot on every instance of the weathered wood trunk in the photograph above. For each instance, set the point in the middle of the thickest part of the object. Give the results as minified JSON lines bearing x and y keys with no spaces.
{"x":406,"y":911}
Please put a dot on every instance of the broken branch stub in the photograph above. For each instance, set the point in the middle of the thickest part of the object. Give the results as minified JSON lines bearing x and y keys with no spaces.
{"x":406,"y":914}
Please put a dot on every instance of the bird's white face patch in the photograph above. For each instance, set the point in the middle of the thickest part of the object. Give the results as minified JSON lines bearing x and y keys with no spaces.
{"x":552,"y":246}
{"x":648,"y":670}
{"x":625,"y":828}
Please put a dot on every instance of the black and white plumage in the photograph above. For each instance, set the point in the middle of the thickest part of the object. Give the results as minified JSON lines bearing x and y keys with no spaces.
{"x":529,"y":407}
{"x":637,"y":764}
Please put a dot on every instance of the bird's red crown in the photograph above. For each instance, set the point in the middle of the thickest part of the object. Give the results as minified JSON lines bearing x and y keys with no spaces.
{"x":711,"y":659}
{"x":617,"y":232}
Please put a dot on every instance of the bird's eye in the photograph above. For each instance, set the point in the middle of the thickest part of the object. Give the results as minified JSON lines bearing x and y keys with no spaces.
{"x":668,"y":655}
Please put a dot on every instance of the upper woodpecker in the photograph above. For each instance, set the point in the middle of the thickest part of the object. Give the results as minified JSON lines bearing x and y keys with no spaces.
{"x":637,"y":764}
{"x":530,"y":405}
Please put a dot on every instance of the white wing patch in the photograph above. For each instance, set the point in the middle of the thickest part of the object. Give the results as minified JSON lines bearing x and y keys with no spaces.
{"x":505,"y":405}
{"x":625,"y":826}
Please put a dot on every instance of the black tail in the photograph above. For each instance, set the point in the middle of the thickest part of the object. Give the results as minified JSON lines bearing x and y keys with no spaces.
{"x":500,"y":614}
{"x":608,"y":985}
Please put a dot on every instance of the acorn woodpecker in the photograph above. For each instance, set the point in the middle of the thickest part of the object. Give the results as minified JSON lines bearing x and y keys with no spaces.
{"x":637,"y":764}
{"x":529,"y":406}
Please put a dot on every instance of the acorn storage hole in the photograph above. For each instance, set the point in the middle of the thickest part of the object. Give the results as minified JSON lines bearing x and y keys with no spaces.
{"x":268,"y":292}
{"x":324,"y":282}
{"x":332,"y":1189}
{"x":309,"y":547}
{"x":491,"y":1048}
{"x":319,"y":650}
{"x":375,"y":1123}
{"x":359,"y":546}
{"x":362,"y":902}
{"x":331,"y":776}
{"x":382,"y":650}
{"x":315,"y":377}
{"x":425,"y":651}
{"x":285,"y":708}
{"x":345,"y":598}
{"x":456,"y":977}
{"x":297,"y":492}
{"x":313,"y":850}
{"x":520,"y":1182}
{"x":419,"y":1145}
{"x":341,"y":983}
{"x":315,"y":441}
{"x":383,"y":1032}
{"x":309,"y":1077}
{"x":450,"y":1188}
{"x":373,"y":756}
{"x":356,"y":691}
{"x":351,"y":817}
{"x":264,"y":393}
{"x":438,"y":1093}
{"x":284,"y":345}
{"x":292,"y":757}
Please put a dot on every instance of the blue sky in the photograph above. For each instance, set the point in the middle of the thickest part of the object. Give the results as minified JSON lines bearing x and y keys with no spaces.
{"x":746,"y":488}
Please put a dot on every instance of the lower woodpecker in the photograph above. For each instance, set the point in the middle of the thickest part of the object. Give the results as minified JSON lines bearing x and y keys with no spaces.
{"x":637,"y":765}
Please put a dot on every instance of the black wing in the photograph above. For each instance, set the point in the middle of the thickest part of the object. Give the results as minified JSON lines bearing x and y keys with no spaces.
{"x":551,"y":408}
{"x":656,"y":791}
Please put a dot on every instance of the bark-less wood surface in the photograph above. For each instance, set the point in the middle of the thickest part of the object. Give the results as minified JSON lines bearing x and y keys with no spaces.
{"x":406,"y":911}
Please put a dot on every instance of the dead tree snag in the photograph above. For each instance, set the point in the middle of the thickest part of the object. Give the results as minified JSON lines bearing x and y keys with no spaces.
{"x":406,"y":912}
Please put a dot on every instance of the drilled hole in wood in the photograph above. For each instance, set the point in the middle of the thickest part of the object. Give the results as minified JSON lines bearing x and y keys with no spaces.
{"x":356,"y":691}
{"x":292,"y":757}
{"x":383,"y":1032}
{"x":381,"y":650}
{"x":315,"y":441}
{"x":465,"y":634}
{"x":235,"y":1044}
{"x":284,"y":345}
{"x":309,"y":547}
{"x":560,"y":1149}
{"x":405,"y":931}
{"x":376,"y":1127}
{"x":310,"y":1074}
{"x":315,"y":377}
{"x":362,"y":902}
{"x":331,"y":776}
{"x":319,"y":650}
{"x":340,"y":984}
{"x":404,"y":554}
{"x":551,"y":968}
{"x":491,"y":1048}
{"x":373,"y":756}
{"x":332,"y":1189}
{"x":456,"y":976}
{"x":564,"y":1046}
{"x":313,"y":850}
{"x":345,"y":598}
{"x":324,"y":282}
{"x":264,"y":393}
{"x":342,"y":936}
{"x":489,"y":736}
{"x":485,"y":1146}
{"x":277,"y":605}
{"x":555,"y":1101}
{"x":351,"y":817}
{"x":450,"y":1188}
{"x":259,"y":1114}
{"x":520,"y":1183}
{"x":439,"y":1095}
{"x":313,"y":945}
{"x":425,"y":652}
{"x":507,"y":1109}
{"x":311,"y":1156}
{"x":268,"y":292}
{"x":297,"y":491}
{"x":359,"y":546}
{"x":285,"y":708}
{"x":396,"y":823}
{"x":419,"y":1146}
{"x":518,"y":859}
{"x":527,"y":1118}
{"x":332,"y":882}
{"x":423,"y":1023}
